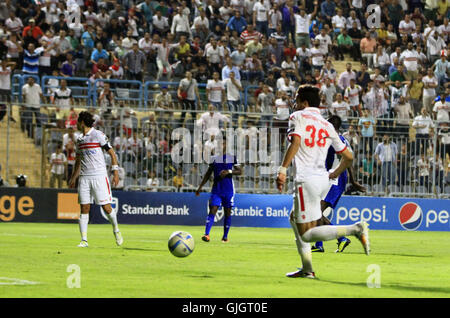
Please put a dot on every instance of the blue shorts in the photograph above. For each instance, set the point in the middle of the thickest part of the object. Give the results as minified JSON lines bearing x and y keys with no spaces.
{"x":225,"y":200}
{"x":335,"y":194}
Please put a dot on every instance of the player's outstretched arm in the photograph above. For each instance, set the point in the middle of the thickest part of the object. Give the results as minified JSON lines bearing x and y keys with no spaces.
{"x":289,"y":155}
{"x":204,"y":180}
{"x":75,"y":173}
{"x":346,"y":162}
{"x":114,"y":167}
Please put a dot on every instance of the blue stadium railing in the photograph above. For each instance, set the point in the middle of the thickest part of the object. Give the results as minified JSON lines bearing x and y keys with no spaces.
{"x":141,"y":94}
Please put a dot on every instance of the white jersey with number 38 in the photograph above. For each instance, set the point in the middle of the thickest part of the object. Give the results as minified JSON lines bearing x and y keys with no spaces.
{"x":90,"y":148}
{"x":316,"y":136}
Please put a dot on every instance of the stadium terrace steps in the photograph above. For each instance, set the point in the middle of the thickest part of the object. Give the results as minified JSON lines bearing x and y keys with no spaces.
{"x":24,"y":156}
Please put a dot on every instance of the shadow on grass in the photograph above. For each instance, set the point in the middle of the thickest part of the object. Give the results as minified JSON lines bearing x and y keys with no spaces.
{"x":445,"y":290}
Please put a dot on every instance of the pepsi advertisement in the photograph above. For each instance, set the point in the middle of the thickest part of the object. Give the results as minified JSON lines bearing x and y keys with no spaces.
{"x":264,"y":210}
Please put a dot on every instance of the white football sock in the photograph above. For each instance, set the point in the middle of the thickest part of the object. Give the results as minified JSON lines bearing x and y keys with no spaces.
{"x":304,"y":249}
{"x":329,"y":232}
{"x":83,"y":222}
{"x":112,"y":217}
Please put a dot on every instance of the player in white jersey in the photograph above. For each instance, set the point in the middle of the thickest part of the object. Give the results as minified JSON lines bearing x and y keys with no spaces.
{"x":90,"y":169}
{"x":310,"y":136}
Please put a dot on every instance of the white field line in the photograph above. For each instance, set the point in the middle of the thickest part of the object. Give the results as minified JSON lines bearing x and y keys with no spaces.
{"x":16,"y":281}
{"x":25,"y":235}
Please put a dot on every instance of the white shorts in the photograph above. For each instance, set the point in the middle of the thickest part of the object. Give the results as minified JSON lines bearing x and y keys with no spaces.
{"x":94,"y":187}
{"x":307,"y":197}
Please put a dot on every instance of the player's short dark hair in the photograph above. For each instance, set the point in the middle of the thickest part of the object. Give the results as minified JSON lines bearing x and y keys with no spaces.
{"x":336,"y":121}
{"x":86,"y":118}
{"x":308,"y":93}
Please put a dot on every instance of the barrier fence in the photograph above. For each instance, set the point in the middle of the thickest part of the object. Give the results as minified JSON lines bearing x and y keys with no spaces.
{"x":134,"y":93}
{"x":149,"y":146}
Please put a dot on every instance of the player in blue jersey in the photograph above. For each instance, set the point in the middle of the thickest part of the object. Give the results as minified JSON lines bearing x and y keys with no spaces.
{"x":336,"y":190}
{"x":224,"y":166}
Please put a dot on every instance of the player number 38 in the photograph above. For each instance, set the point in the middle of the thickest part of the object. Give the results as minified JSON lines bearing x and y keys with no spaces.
{"x":321,"y":137}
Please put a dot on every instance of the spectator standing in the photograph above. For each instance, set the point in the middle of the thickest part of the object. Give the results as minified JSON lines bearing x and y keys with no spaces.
{"x":415,"y":89}
{"x":215,"y":90}
{"x":367,"y":46}
{"x":423,"y":124}
{"x":386,"y":156}
{"x":187,"y":92}
{"x":58,"y":167}
{"x":233,"y":88}
{"x":366,"y":128}
{"x":429,"y":90}
{"x":135,"y":63}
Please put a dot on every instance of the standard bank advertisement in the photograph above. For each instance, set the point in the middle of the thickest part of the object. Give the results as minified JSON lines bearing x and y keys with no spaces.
{"x":262,"y":210}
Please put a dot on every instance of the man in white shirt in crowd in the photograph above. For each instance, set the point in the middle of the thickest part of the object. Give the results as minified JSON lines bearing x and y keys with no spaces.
{"x":32,"y":96}
{"x":215,"y":90}
{"x":404,"y":113}
{"x":441,"y":110}
{"x":406,"y":26}
{"x":351,"y":95}
{"x":281,"y":118}
{"x":212,"y":120}
{"x":160,"y":24}
{"x":180,"y":25}
{"x":345,"y":77}
{"x":434,"y":46}
{"x":302,"y":23}
{"x":422,"y":123}
{"x":341,"y":109}
{"x":233,"y":88}
{"x":58,"y":167}
{"x":429,"y":90}
{"x":410,"y":59}
{"x":6,"y":69}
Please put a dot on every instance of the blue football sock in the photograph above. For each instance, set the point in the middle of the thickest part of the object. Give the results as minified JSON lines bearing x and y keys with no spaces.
{"x":226,"y":226}
{"x":209,"y":223}
{"x":319,"y":244}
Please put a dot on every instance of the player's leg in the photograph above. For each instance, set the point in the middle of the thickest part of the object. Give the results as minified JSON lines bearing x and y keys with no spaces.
{"x":327,"y":205}
{"x":227,"y":203}
{"x":83,"y":224}
{"x":226,"y":224}
{"x":214,"y":203}
{"x":304,"y":250}
{"x":85,"y":201}
{"x":112,"y":217}
{"x":309,"y":194}
{"x":102,"y":193}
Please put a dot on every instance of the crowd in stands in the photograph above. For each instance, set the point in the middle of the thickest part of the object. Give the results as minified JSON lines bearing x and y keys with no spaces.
{"x":401,"y":85}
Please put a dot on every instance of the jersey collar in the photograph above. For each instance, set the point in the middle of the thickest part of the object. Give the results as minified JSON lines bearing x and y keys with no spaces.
{"x":314,"y":109}
{"x":90,"y":130}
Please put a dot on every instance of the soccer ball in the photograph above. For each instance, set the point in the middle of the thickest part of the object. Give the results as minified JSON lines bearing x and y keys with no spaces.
{"x":181,"y":244}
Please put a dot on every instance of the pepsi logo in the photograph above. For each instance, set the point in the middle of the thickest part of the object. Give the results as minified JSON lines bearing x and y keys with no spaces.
{"x":410,"y":216}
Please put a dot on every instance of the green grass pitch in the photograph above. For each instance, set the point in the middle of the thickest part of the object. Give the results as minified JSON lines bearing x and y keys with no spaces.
{"x":252,"y":264}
